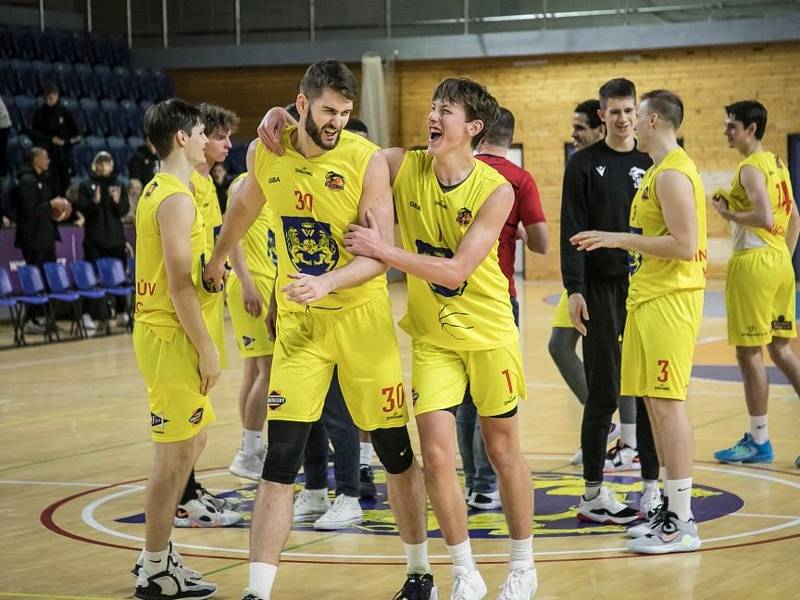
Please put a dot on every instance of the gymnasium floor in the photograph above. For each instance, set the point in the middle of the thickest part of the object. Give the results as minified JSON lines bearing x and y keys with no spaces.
{"x":76,"y":450}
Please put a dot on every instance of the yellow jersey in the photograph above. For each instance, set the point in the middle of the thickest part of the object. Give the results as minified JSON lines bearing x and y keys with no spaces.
{"x":205,"y":197}
{"x":258,"y":244}
{"x":651,"y":276}
{"x":781,"y":199}
{"x":153,"y":302}
{"x":313,"y":201}
{"x":477,"y":315}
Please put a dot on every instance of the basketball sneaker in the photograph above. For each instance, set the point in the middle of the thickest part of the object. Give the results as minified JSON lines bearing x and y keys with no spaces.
{"x":654,"y":519}
{"x":613,"y":433}
{"x":485,"y":501}
{"x":467,"y":584}
{"x":176,"y":558}
{"x":344,"y":512}
{"x":171,"y":583}
{"x":670,"y":535}
{"x":797,"y":461}
{"x":207,"y":497}
{"x":310,"y":505}
{"x":621,"y":458}
{"x":418,"y":587}
{"x":520,"y":584}
{"x":249,"y":466}
{"x":366,"y":483}
{"x":251,"y":594}
{"x":606,"y":509}
{"x":650,"y":503}
{"x":746,"y":451}
{"x":203,"y":513}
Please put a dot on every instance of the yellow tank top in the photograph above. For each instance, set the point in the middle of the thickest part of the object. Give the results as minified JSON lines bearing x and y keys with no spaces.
{"x":258,"y":243}
{"x":781,"y":199}
{"x":205,"y":197}
{"x":477,"y":315}
{"x":313,"y":201}
{"x":153,"y":302}
{"x":652,"y":277}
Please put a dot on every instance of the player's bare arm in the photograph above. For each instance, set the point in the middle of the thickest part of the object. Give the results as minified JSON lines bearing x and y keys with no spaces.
{"x":238,"y":219}
{"x":175,"y":219}
{"x":394,"y":158}
{"x":753,"y":182}
{"x":449,"y":272}
{"x":677,"y":204}
{"x":271,"y":128}
{"x":376,"y":210}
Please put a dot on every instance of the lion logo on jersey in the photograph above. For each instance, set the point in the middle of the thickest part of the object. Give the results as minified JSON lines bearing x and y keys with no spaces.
{"x":636,"y":176}
{"x":428,"y":250}
{"x":310,"y":245}
{"x":464,"y":217}
{"x":334,"y":181}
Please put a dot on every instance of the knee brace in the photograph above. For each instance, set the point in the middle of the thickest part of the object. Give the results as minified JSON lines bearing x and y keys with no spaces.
{"x":285,"y":451}
{"x":393,"y":448}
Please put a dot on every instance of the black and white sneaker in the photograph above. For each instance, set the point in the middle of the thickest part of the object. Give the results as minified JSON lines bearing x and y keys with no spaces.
{"x":172,"y":583}
{"x":366,"y":483}
{"x":418,"y":587}
{"x":176,"y":558}
{"x":606,"y":509}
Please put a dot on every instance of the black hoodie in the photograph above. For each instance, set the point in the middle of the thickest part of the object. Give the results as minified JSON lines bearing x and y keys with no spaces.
{"x":103,"y":227}
{"x":36,"y":229}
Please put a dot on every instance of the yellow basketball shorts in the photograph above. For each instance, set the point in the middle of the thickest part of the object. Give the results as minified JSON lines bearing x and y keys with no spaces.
{"x":213,"y":308}
{"x":250,"y":332}
{"x":169,"y":364}
{"x":760,"y":297}
{"x":439,"y":378}
{"x":362,"y":342}
{"x":658,"y":345}
{"x":561,"y":318}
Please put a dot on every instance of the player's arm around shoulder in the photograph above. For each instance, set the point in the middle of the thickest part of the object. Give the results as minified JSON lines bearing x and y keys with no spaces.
{"x":176,"y":216}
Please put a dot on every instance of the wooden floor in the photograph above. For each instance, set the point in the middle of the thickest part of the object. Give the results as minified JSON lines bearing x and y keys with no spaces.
{"x":75,"y":450}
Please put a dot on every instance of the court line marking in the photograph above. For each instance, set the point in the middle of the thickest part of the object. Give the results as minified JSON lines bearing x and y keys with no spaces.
{"x":87,"y":515}
{"x":51,"y":596}
{"x":62,"y":359}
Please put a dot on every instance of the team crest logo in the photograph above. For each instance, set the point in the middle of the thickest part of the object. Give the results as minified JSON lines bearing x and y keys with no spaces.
{"x":464,"y":217}
{"x":275,"y":400}
{"x":636,"y":175}
{"x":781,"y":324}
{"x":428,"y":250}
{"x":334,"y":181}
{"x":247,"y":340}
{"x":645,"y":194}
{"x":196,"y":416}
{"x":310,"y":245}
{"x":157,"y":422}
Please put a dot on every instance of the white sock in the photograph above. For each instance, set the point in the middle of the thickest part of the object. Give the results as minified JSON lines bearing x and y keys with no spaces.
{"x":262,"y":576}
{"x":417,"y":558}
{"x":252,"y":441}
{"x":318,"y":494}
{"x":648,"y":484}
{"x":758,"y":429}
{"x":629,"y":434}
{"x":591,"y":489}
{"x":520,"y":557}
{"x":155,"y":562}
{"x":366,"y":453}
{"x":679,"y":492}
{"x":461,"y":555}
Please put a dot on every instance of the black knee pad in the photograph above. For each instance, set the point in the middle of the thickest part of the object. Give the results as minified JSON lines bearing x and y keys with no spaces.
{"x":285,"y":451}
{"x":393,"y":448}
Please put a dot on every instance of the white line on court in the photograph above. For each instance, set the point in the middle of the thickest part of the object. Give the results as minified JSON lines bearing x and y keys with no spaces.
{"x":62,"y":359}
{"x":62,"y":483}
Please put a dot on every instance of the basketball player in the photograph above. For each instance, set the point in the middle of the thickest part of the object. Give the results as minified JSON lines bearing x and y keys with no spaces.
{"x":333,"y":310}
{"x":667,"y":245}
{"x":760,"y":283}
{"x":198,"y":507}
{"x":599,"y":184}
{"x":250,"y":286}
{"x":174,"y":350}
{"x":451,"y":209}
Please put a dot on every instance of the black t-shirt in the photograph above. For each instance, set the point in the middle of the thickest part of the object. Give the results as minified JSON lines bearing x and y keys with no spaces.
{"x":599,"y":186}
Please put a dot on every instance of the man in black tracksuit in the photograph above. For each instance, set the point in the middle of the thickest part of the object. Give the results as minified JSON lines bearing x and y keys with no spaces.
{"x":599,"y":184}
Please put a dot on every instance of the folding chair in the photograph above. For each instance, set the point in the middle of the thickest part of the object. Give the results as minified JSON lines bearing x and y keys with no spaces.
{"x":61,"y":291}
{"x":8,"y":301}
{"x":86,"y":285}
{"x":33,"y":294}
{"x":113,"y":279}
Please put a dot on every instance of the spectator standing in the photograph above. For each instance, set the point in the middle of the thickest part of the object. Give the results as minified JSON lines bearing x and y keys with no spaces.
{"x":222,"y":181}
{"x":143,"y":164}
{"x":54,"y":129}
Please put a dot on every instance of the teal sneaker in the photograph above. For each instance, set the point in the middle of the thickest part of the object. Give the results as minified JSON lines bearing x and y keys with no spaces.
{"x":746,"y":451}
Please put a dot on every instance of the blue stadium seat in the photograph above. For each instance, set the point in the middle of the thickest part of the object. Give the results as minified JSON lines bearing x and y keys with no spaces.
{"x":95,"y":119}
{"x":108,"y":85}
{"x":96,"y":144}
{"x":22,"y":43}
{"x":135,"y":142}
{"x":90,"y":85}
{"x":64,"y":45}
{"x":81,"y":158}
{"x":8,"y":82}
{"x":164,"y":84}
{"x":148,"y":84}
{"x":68,"y":81}
{"x":18,"y":148}
{"x":122,"y":54}
{"x":47,"y":47}
{"x":145,"y":104}
{"x":84,"y":50}
{"x":115,"y":117}
{"x":26,"y":107}
{"x":103,"y":49}
{"x":12,"y":113}
{"x":125,"y":82}
{"x":133,"y":114}
{"x":6,"y":47}
{"x":121,"y":152}
{"x":27,"y":80}
{"x":44,"y":72}
{"x":75,"y":108}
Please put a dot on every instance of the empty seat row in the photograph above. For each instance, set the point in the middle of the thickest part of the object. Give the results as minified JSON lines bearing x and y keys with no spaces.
{"x":71,"y":46}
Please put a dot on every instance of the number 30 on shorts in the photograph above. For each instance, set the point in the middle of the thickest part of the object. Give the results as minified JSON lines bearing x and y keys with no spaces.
{"x":394,"y":397}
